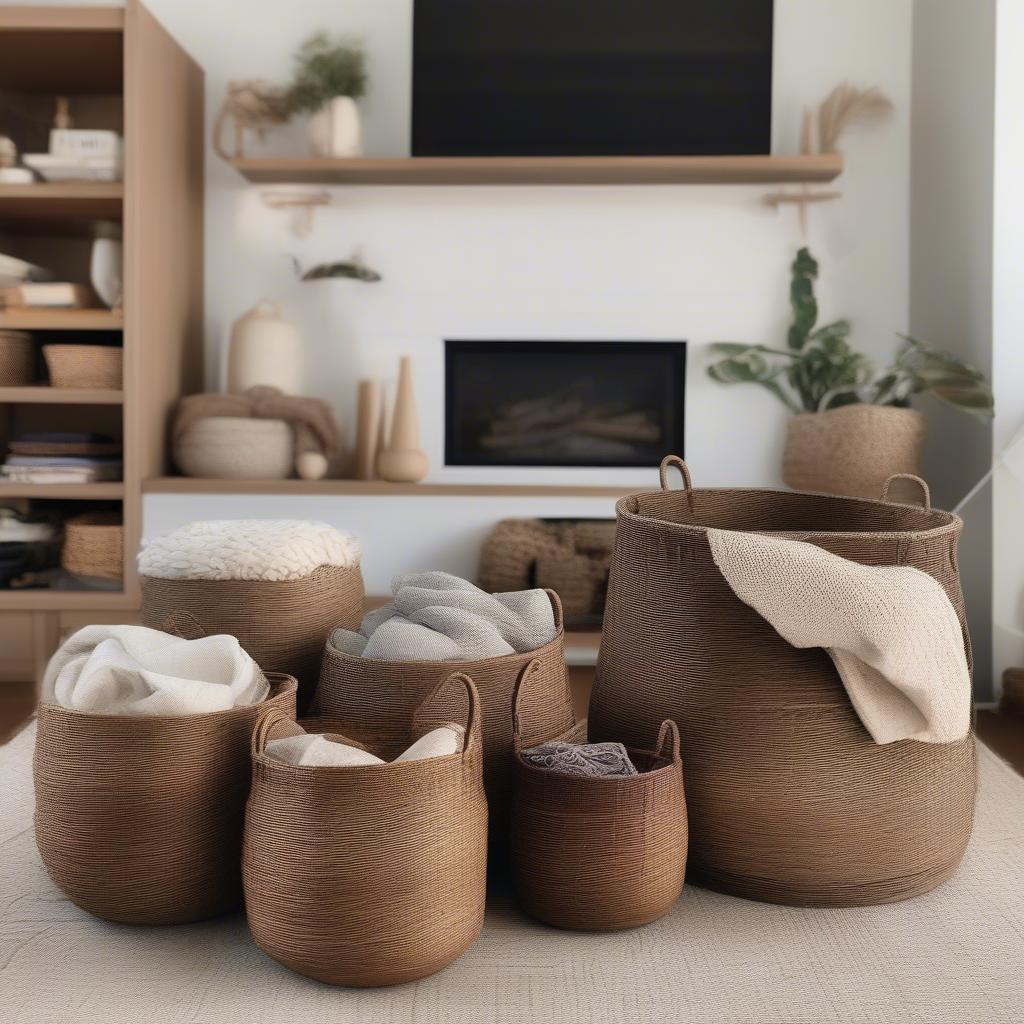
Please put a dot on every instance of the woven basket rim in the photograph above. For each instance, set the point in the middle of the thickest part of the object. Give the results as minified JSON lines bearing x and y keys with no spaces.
{"x":625,"y":508}
{"x":204,"y":581}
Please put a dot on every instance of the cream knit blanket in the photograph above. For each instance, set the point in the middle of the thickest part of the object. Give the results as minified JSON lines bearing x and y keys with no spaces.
{"x":891,"y":631}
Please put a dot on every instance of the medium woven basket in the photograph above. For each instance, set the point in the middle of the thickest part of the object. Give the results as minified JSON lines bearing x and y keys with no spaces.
{"x":371,"y":875}
{"x":94,"y":546}
{"x":374,"y":699}
{"x":84,"y":366}
{"x":599,"y":853}
{"x":789,"y":798}
{"x":17,"y":359}
{"x":282,"y":624}
{"x":139,"y":819}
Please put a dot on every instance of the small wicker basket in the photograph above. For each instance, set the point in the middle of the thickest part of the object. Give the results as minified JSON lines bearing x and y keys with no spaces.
{"x":84,"y":366}
{"x":17,"y":359}
{"x":94,"y":546}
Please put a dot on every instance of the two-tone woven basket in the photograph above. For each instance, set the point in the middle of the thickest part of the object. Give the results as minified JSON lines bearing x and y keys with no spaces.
{"x":94,"y":546}
{"x":139,"y":819}
{"x":598,"y":853}
{"x":85,"y":366}
{"x":789,"y":798}
{"x":370,"y":875}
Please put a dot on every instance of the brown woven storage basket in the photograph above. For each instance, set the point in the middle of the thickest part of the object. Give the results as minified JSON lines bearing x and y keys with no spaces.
{"x":371,"y":875}
{"x":17,"y":359}
{"x":599,"y":853}
{"x":789,"y":799}
{"x":375,"y":698}
{"x":282,"y":624}
{"x":139,"y":819}
{"x":94,"y":546}
{"x":84,"y":366}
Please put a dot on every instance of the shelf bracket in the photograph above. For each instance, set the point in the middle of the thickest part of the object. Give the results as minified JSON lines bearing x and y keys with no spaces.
{"x":301,"y":203}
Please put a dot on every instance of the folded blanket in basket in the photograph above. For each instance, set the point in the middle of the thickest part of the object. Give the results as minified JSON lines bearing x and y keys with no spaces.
{"x":439,"y":617}
{"x":590,"y":760}
{"x":891,"y":631}
{"x":336,"y":752}
{"x":132,"y":670}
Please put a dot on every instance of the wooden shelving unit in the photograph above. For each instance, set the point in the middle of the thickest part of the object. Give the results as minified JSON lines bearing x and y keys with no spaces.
{"x":46,"y":205}
{"x":61,"y":319}
{"x":60,"y":396}
{"x":64,"y":492}
{"x":526,"y":170}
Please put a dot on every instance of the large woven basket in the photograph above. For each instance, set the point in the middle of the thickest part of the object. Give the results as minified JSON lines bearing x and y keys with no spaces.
{"x":84,"y":366}
{"x":375,"y":698}
{"x":17,"y":359}
{"x":139,"y":819}
{"x":94,"y":546}
{"x":282,"y":624}
{"x":789,"y":799}
{"x":599,"y":853}
{"x":371,"y":875}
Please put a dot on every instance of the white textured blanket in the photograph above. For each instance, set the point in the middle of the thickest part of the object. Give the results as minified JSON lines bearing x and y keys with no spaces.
{"x":132,"y":670}
{"x":334,"y":752}
{"x":891,"y":631}
{"x":439,"y":617}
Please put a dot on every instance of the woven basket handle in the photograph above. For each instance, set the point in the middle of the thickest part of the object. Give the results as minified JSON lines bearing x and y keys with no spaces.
{"x":183,"y":625}
{"x":472,"y":715}
{"x":272,"y":724}
{"x":674,"y":460}
{"x":668,"y":733}
{"x":926,"y":496}
{"x":529,"y":669}
{"x":556,"y":608}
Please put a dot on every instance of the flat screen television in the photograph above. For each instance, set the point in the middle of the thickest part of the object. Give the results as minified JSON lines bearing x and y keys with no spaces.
{"x":591,"y":77}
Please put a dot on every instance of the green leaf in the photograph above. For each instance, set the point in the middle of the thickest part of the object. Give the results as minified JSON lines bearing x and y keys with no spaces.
{"x":801,"y":299}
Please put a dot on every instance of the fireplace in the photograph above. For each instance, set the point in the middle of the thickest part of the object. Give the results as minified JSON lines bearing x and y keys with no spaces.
{"x":563,"y":403}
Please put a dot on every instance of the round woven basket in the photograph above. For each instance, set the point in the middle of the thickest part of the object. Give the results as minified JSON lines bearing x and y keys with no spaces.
{"x":282,"y":624}
{"x":599,"y":853}
{"x":371,"y":875}
{"x":236,"y":448}
{"x":94,"y":546}
{"x":789,"y":798}
{"x":84,"y":366}
{"x":17,"y":359}
{"x":374,"y":698}
{"x":139,"y":819}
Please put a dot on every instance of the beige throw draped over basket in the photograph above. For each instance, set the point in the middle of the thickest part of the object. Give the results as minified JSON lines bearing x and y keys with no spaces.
{"x":368,"y":875}
{"x":139,"y":819}
{"x":789,"y":798}
{"x":598,"y":853}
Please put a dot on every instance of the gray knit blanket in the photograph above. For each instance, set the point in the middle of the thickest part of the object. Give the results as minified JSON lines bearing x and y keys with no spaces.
{"x":590,"y":760}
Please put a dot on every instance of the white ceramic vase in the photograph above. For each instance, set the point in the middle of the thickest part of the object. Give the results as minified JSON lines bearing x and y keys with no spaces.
{"x":336,"y":129}
{"x":265,"y":349}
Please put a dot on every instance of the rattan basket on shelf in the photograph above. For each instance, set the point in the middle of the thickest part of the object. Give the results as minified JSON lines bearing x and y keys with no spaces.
{"x":84,"y":366}
{"x":17,"y":359}
{"x":94,"y":545}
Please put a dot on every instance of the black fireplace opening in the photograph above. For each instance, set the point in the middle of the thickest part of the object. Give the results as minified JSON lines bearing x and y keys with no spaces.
{"x":564,"y":403}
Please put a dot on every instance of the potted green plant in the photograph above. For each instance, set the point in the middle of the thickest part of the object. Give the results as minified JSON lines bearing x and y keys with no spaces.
{"x":852,"y":427}
{"x":330,"y":75}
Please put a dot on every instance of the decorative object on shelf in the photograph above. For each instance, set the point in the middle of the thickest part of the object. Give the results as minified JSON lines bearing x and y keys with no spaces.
{"x":569,"y":556}
{"x":353,"y":269}
{"x":94,"y":546}
{"x":85,"y":366}
{"x":819,"y":375}
{"x":368,"y":416}
{"x":240,"y":440}
{"x":330,"y":76}
{"x":52,"y":295}
{"x":17,"y":359}
{"x":78,"y":154}
{"x":9,"y":173}
{"x":28,"y":543}
{"x":403,"y":461}
{"x":266,"y":349}
{"x":15,"y":272}
{"x":780,"y":770}
{"x":251,"y":105}
{"x":106,"y":264}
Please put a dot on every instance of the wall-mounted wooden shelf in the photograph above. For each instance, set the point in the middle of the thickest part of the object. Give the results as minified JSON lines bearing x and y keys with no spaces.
{"x":561,"y":170}
{"x":376,"y":488}
{"x":61,"y":396}
{"x":68,"y":492}
{"x":62,"y":319}
{"x":52,"y":205}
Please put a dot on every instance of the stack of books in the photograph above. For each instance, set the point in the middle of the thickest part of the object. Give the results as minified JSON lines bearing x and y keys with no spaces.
{"x":62,"y":458}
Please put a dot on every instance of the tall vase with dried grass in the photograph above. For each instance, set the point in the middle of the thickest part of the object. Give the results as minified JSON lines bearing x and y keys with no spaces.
{"x":853,"y":428}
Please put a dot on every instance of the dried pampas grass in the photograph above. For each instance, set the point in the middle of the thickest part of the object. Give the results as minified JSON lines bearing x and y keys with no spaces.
{"x":843,"y":105}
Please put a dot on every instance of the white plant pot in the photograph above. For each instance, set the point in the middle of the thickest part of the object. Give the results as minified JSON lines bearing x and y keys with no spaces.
{"x":336,"y":129}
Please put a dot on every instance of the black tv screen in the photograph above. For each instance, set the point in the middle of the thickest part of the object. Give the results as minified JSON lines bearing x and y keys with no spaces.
{"x":591,"y":77}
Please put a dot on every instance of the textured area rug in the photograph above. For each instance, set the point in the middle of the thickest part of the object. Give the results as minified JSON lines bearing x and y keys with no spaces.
{"x":952,"y":956}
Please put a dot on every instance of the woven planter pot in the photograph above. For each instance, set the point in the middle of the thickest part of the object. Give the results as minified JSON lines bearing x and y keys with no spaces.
{"x":139,"y":819}
{"x":282,"y":624}
{"x":789,"y":799}
{"x":852,"y":450}
{"x":94,"y":546}
{"x":84,"y":366}
{"x":371,"y":875}
{"x":17,"y":359}
{"x":375,"y":698}
{"x":599,"y":853}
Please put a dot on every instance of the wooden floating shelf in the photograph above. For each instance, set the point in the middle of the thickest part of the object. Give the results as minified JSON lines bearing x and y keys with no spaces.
{"x":54,"y":204}
{"x":62,"y":319}
{"x":560,"y":170}
{"x":375,"y":488}
{"x":68,"y":492}
{"x":63,"y":600}
{"x":61,"y":396}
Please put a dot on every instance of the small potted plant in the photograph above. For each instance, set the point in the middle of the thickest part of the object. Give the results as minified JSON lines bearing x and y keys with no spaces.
{"x":330,"y":75}
{"x":853,"y":428}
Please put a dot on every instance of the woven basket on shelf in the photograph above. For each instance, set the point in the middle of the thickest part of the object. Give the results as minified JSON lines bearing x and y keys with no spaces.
{"x":139,"y":819}
{"x":84,"y":366}
{"x":17,"y":359}
{"x":374,"y":699}
{"x":789,"y":798}
{"x":598,"y":853}
{"x":94,"y":546}
{"x":370,"y":875}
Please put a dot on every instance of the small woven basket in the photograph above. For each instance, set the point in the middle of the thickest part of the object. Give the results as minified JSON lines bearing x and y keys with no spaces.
{"x":84,"y":366}
{"x":139,"y":819}
{"x":17,"y":359}
{"x":94,"y":546}
{"x":370,"y":875}
{"x":599,"y":854}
